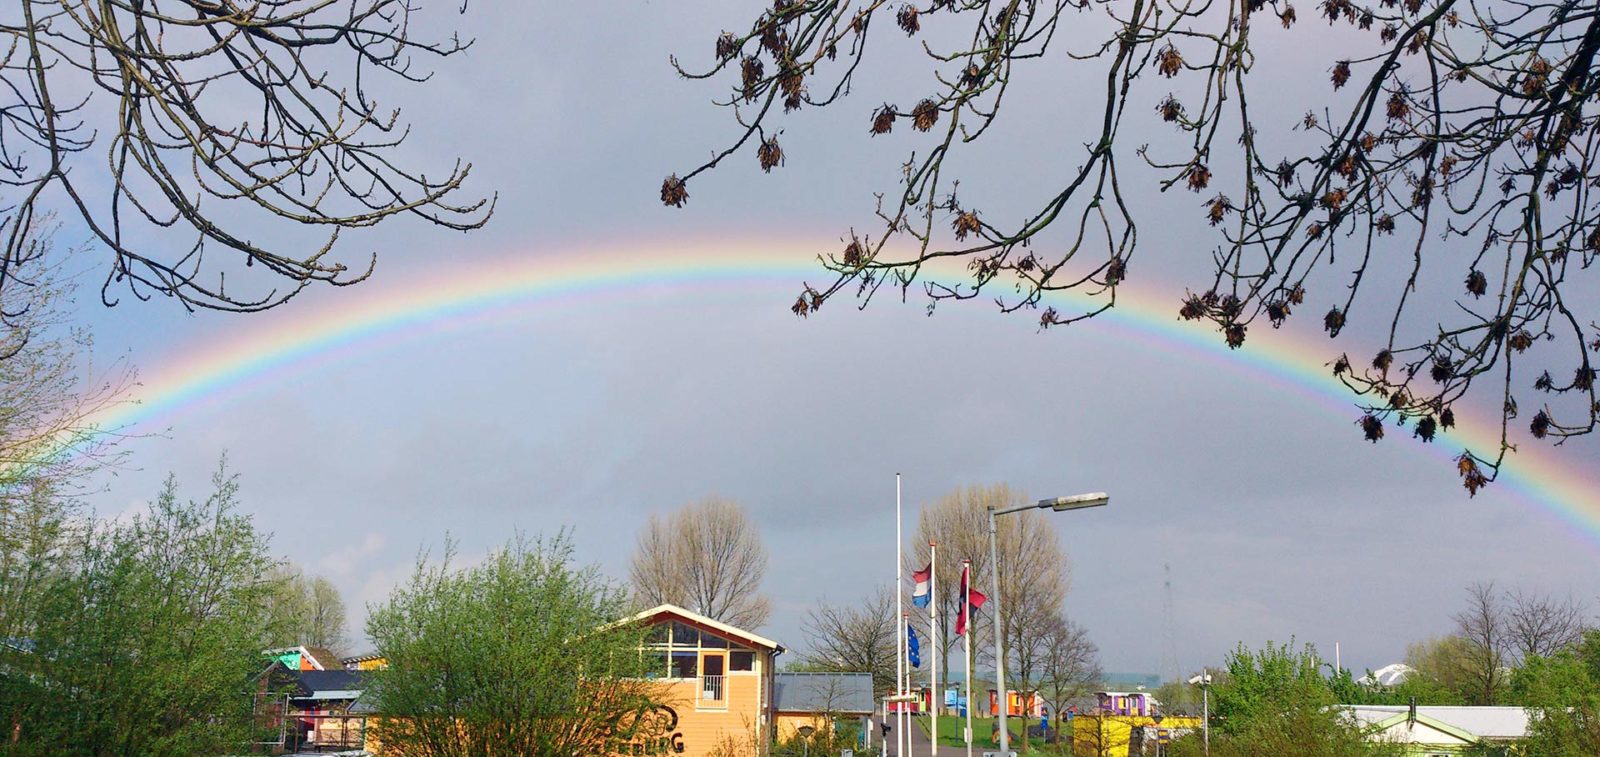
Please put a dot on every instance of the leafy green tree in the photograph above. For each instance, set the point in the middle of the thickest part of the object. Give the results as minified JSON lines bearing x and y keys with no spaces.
{"x":1348,"y":690}
{"x":1562,"y":692}
{"x":1276,"y":701}
{"x":146,"y":639}
{"x":1440,"y":663}
{"x":520,"y":654}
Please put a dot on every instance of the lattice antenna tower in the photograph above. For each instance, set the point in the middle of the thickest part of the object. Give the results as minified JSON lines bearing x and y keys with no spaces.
{"x":1169,"y":635}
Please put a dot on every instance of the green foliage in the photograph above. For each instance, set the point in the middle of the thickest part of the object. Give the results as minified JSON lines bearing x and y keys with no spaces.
{"x":1442,"y":664}
{"x":1263,"y":685}
{"x":1562,"y":693}
{"x":145,"y":641}
{"x":1425,"y":691}
{"x":517,"y":655}
{"x":846,"y":734}
{"x":1276,"y":701}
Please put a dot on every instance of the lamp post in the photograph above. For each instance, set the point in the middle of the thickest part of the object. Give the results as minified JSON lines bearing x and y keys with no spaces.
{"x":1204,"y":682}
{"x":1058,"y":504}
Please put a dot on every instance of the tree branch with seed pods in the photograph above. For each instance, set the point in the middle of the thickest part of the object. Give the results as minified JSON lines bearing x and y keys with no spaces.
{"x":222,"y":123}
{"x":1446,"y":188}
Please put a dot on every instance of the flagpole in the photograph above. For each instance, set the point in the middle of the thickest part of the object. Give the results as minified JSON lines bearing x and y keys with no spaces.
{"x":937,"y":697}
{"x":966,"y":642}
{"x":900,"y":636}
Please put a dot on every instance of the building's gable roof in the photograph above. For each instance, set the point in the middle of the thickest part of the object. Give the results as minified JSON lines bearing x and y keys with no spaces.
{"x":321,"y":658}
{"x":1423,"y":730}
{"x":330,"y":684}
{"x":1472,"y":723}
{"x":655,"y":614}
{"x":843,"y":693}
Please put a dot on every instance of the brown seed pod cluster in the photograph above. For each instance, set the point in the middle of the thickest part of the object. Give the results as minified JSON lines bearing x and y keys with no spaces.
{"x":1170,"y":109}
{"x":907,"y":19}
{"x":1471,"y":477}
{"x":1371,"y":427}
{"x":1398,"y":106}
{"x":883,"y":120}
{"x":1521,"y":340}
{"x":769,"y":154}
{"x":673,"y":191}
{"x":1477,"y":283}
{"x":1199,"y":177}
{"x":1540,"y":426}
{"x":1334,"y":199}
{"x":852,"y":254}
{"x":727,"y":46}
{"x":1169,"y":61}
{"x":1235,"y":335}
{"x":1442,"y":369}
{"x":1277,"y":312}
{"x":1383,"y":360}
{"x":751,"y":71}
{"x":1116,"y":271}
{"x":1341,"y":73}
{"x":971,"y":76}
{"x":966,"y":222}
{"x":1333,"y":322}
{"x":1217,"y":209}
{"x":1426,"y":428}
{"x":925,"y":115}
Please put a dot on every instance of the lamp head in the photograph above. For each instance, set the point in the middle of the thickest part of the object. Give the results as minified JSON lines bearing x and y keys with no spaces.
{"x":1076,"y":501}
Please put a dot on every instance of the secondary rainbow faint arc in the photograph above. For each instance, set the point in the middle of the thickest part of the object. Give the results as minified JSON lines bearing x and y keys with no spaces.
{"x":371,"y":313}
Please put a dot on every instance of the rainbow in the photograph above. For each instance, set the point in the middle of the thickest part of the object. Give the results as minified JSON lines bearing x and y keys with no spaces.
{"x":381,"y":312}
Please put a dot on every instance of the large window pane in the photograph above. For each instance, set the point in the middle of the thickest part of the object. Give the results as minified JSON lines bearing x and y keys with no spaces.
{"x":741,"y":661}
{"x":713,"y":641}
{"x":685,"y":636}
{"x":685,"y":664}
{"x":655,"y":664}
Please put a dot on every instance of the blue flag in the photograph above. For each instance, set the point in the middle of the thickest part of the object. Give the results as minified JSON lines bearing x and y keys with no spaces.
{"x":913,"y":647}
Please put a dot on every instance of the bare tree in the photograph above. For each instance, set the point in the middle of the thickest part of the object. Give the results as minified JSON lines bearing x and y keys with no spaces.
{"x":854,"y":638}
{"x":218,"y":121}
{"x":1069,"y":666}
{"x":1482,"y":627}
{"x":1539,"y":625}
{"x":304,"y":609}
{"x":706,"y":557}
{"x":1450,"y":125}
{"x":1034,"y":570}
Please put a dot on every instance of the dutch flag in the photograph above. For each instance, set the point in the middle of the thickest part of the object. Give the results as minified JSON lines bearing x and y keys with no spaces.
{"x":920,"y":596}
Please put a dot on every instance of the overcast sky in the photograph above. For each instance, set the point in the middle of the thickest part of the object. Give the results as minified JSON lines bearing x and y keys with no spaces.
{"x":1275,"y":517}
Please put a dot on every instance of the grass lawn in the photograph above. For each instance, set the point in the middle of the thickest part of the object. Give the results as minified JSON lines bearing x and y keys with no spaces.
{"x":950,"y":731}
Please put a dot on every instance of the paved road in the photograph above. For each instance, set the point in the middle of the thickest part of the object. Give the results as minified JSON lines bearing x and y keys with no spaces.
{"x":922,"y":746}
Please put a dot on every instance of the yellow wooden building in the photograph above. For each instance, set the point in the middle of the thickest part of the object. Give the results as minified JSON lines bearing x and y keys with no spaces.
{"x":725,"y":694}
{"x":719,"y":680}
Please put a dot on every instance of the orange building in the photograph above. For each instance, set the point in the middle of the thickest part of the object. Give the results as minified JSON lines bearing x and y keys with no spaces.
{"x":725,"y":694}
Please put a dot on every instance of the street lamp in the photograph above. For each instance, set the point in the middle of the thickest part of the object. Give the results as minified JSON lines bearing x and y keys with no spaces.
{"x":1204,"y":682}
{"x":1058,"y":504}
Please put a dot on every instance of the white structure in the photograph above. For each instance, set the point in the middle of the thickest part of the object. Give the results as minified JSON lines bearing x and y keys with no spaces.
{"x":1448,"y":729}
{"x":1388,"y":675}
